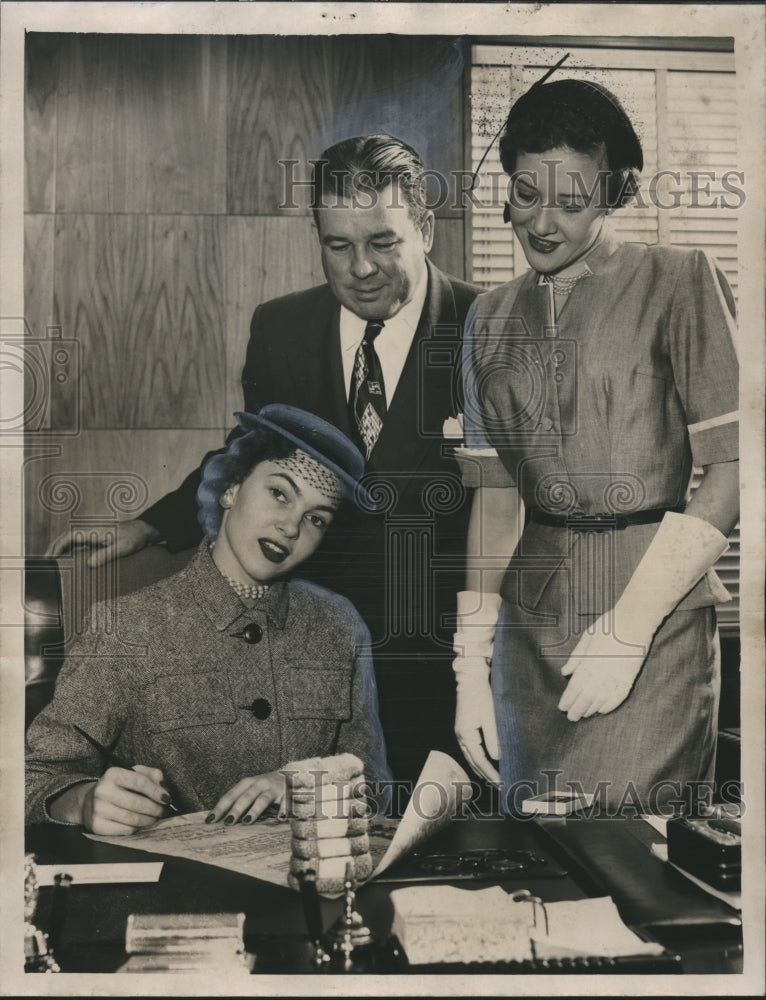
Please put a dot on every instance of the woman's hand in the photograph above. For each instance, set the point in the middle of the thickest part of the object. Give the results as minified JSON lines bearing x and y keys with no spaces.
{"x":122,"y":801}
{"x":249,"y":798}
{"x":602,"y":670}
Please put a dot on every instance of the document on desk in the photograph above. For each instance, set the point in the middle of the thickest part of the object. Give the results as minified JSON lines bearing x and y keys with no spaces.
{"x":262,"y":849}
{"x":436,"y":799}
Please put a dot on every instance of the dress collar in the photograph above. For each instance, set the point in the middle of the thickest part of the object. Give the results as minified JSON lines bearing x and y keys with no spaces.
{"x":597,"y":258}
{"x":222,"y":606}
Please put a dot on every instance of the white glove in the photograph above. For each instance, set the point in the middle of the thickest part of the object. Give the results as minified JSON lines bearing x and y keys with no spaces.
{"x":606,"y":661}
{"x":477,"y":616}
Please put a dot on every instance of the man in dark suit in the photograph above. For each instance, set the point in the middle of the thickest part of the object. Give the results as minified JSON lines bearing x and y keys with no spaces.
{"x":375,"y":351}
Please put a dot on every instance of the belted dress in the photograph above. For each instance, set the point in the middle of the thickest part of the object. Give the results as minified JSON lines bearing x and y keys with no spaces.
{"x":593,"y":414}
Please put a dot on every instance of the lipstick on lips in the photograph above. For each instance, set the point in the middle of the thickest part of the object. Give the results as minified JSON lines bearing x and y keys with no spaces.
{"x":273,"y":551}
{"x":542,"y":246}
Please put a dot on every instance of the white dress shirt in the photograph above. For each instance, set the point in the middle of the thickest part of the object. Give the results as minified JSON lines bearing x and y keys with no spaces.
{"x":392,"y":343}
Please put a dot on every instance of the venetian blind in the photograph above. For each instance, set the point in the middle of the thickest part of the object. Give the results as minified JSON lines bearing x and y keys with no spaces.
{"x":683,"y":105}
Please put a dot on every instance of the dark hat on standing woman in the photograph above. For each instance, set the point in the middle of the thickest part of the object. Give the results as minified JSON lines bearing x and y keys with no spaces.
{"x":593,"y":102}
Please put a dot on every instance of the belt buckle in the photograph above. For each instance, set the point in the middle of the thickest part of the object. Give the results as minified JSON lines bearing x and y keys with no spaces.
{"x":595,"y":522}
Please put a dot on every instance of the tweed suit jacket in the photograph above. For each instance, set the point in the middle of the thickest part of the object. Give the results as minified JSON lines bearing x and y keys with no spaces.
{"x":176,"y":687}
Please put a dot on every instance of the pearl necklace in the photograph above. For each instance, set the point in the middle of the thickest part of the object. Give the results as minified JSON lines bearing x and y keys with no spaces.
{"x":250,"y":591}
{"x":564,"y":286}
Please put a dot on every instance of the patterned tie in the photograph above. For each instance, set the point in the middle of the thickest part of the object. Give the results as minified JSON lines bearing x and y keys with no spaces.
{"x":368,"y":392}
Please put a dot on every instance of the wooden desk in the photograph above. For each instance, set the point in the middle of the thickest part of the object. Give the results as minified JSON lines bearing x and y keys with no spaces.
{"x":94,"y":933}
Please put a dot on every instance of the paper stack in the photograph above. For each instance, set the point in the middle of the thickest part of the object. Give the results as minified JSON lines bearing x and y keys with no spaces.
{"x":444,"y":924}
{"x":185,"y":942}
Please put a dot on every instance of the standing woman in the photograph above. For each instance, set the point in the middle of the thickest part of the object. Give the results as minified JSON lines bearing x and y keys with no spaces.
{"x":594,"y":382}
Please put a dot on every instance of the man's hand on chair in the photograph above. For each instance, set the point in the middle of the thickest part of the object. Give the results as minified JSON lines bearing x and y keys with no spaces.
{"x":131,"y":536}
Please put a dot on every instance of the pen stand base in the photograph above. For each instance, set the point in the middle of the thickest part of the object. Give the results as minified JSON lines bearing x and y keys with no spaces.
{"x":349,"y":930}
{"x":280,"y":954}
{"x":351,"y":942}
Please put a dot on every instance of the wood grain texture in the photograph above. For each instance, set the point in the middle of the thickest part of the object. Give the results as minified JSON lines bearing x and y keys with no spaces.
{"x":143,"y":296}
{"x":265,"y":257}
{"x":427,"y":90}
{"x":38,"y":272}
{"x":38,"y":313}
{"x":40,"y":101}
{"x":280,"y":102}
{"x":141,"y":125}
{"x":103,"y":476}
{"x":290,"y":98}
{"x":448,"y":251}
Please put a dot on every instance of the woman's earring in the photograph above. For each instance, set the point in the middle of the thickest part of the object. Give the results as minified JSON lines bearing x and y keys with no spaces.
{"x":227,"y":499}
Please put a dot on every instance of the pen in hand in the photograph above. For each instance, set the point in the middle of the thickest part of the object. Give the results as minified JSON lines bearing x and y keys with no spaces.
{"x":113,"y":759}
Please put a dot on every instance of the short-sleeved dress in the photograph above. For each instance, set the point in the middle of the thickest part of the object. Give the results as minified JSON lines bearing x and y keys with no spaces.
{"x":603,"y":410}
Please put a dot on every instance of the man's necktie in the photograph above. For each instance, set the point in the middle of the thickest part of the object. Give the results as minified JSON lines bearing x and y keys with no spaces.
{"x":368,"y":393}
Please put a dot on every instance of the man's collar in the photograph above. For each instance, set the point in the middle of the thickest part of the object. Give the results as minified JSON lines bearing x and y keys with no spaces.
{"x":407,"y":318}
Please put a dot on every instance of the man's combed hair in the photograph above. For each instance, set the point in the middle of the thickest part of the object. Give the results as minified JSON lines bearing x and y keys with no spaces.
{"x":363,"y":166}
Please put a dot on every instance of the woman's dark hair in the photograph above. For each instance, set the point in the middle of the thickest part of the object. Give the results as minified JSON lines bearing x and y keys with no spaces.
{"x":582,"y":116}
{"x":234,"y":466}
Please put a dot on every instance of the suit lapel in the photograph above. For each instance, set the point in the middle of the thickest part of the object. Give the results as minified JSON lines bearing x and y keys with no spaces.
{"x":424,"y":394}
{"x":319,"y":375}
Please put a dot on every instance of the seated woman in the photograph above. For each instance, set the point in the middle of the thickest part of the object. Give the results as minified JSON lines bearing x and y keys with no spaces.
{"x":237,"y":668}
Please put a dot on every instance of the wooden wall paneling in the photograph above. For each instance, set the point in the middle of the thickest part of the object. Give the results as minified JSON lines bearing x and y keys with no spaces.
{"x":265,"y":257}
{"x":291,"y":98}
{"x":38,"y":272}
{"x":144,"y":297}
{"x":104,"y":476}
{"x":40,"y":100}
{"x":39,"y":397}
{"x":141,"y":126}
{"x":427,"y":87}
{"x":361,"y":70}
{"x":448,"y":251}
{"x":277,"y":102}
